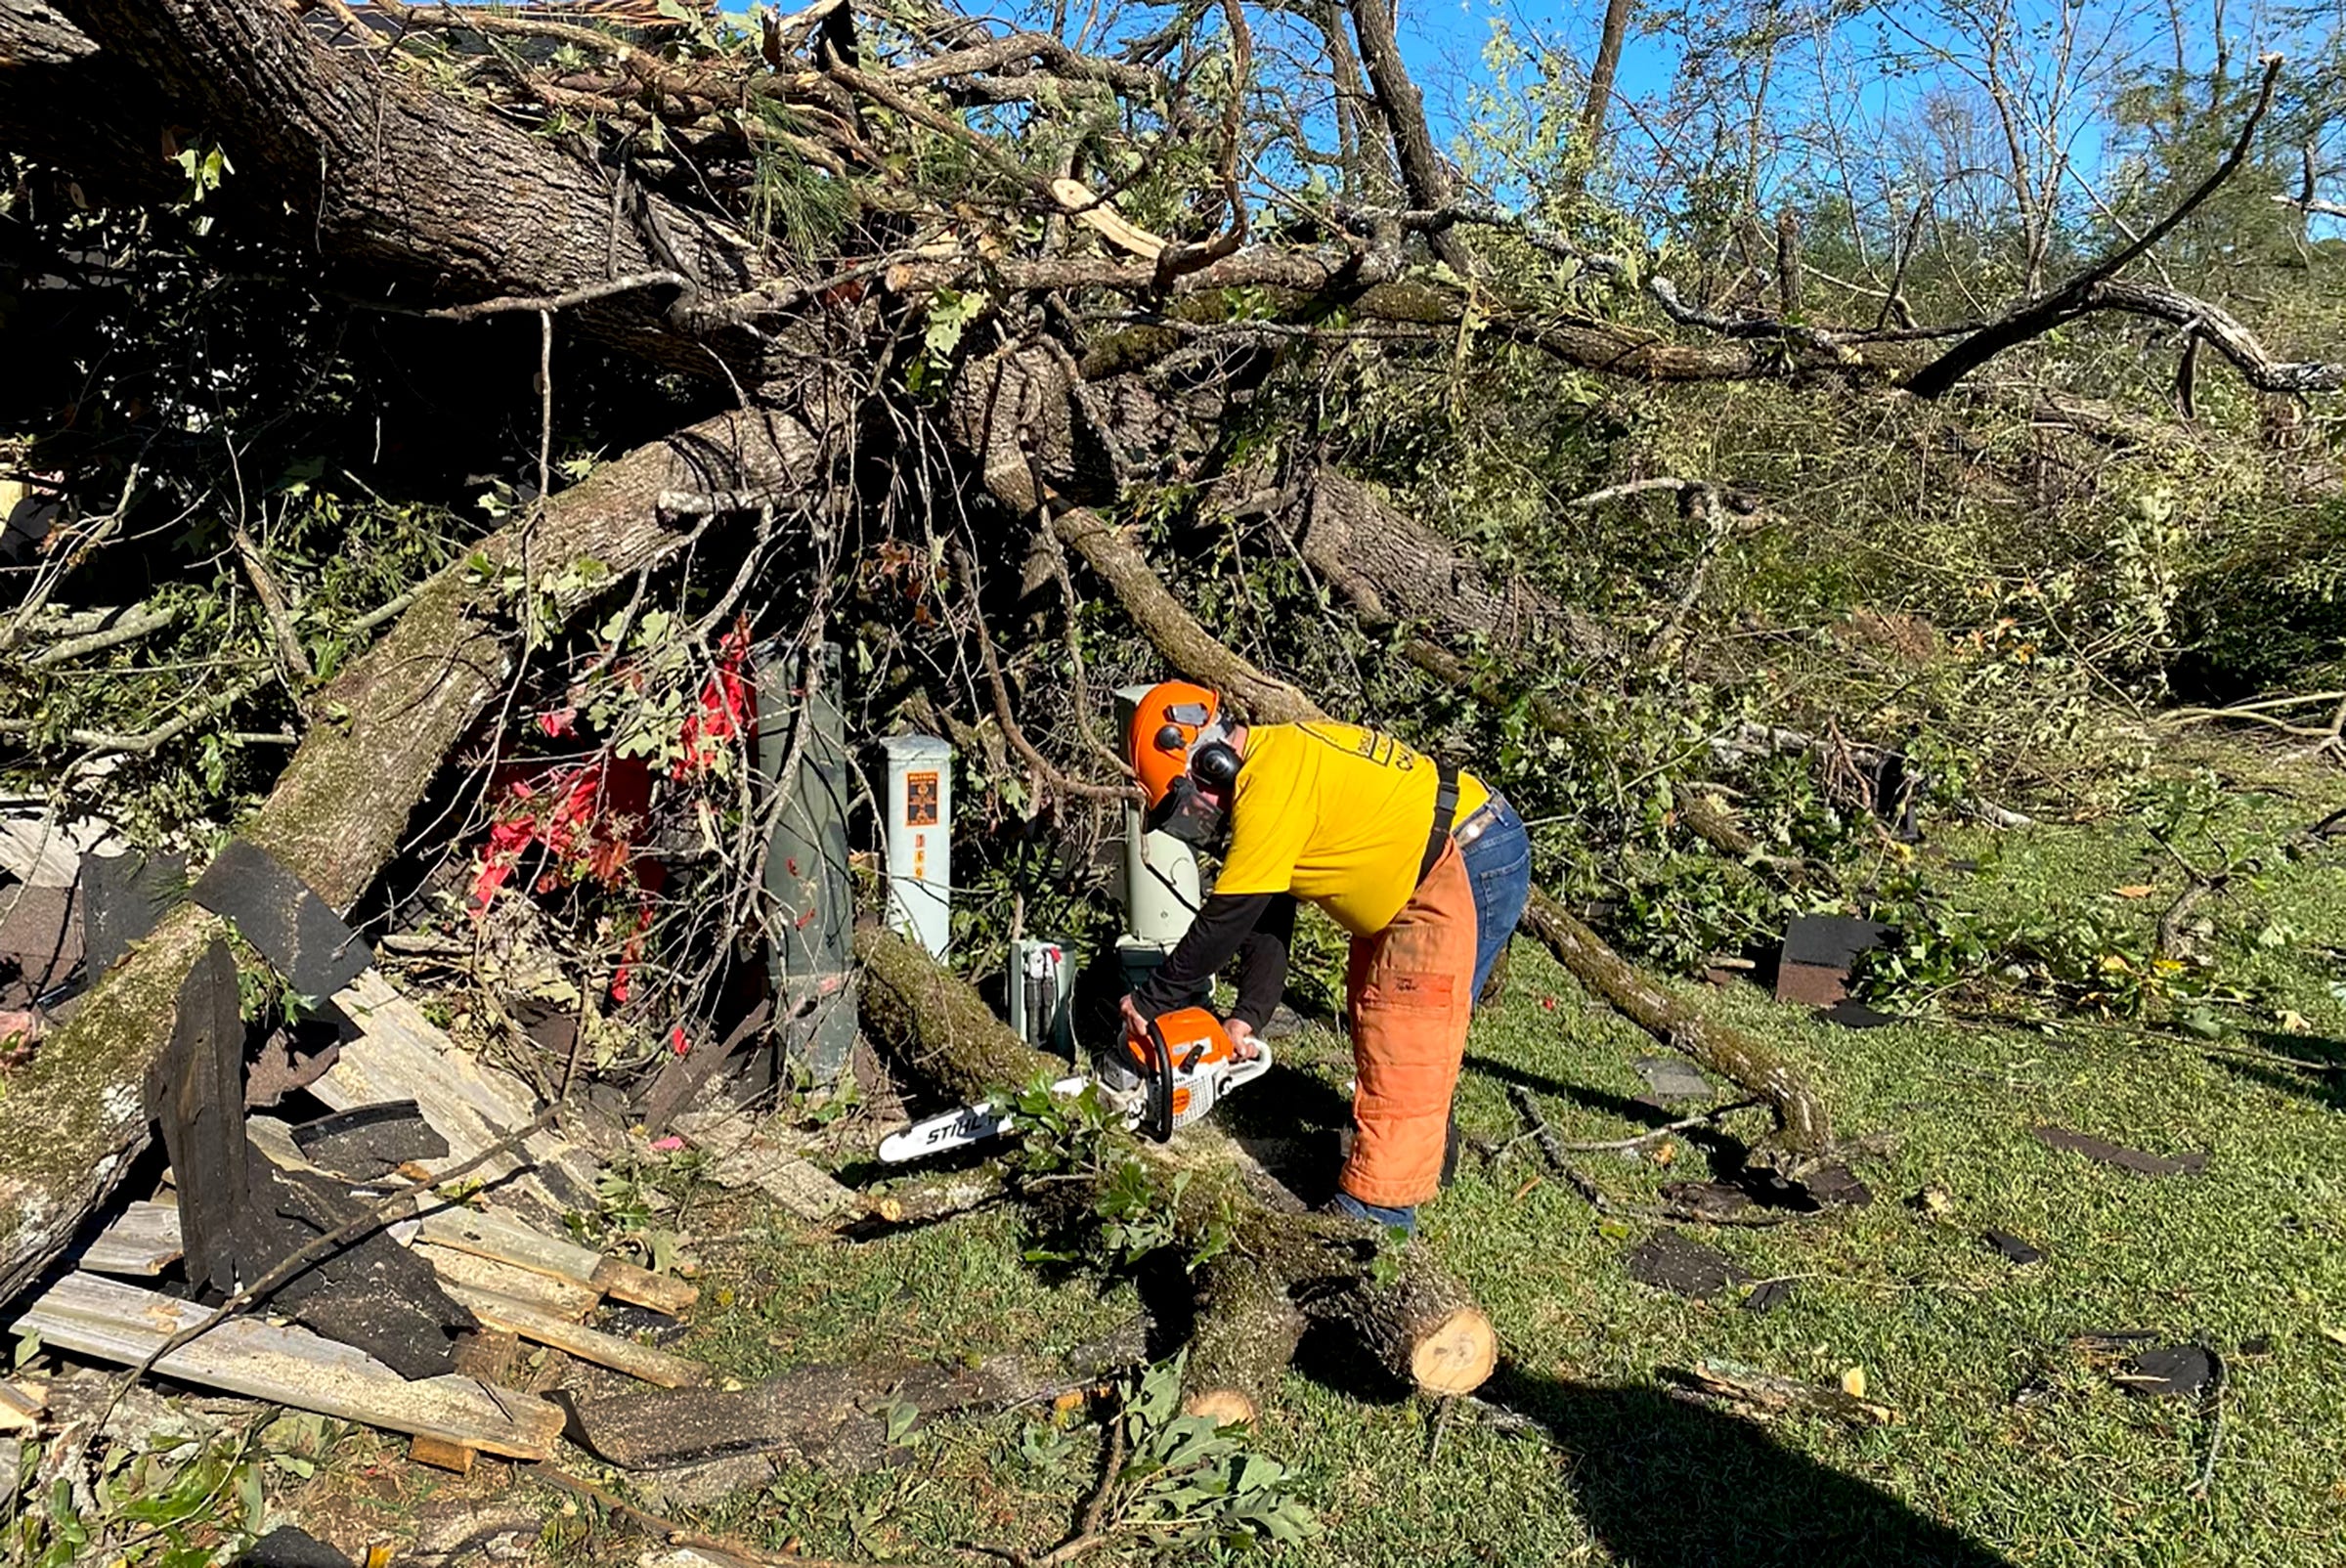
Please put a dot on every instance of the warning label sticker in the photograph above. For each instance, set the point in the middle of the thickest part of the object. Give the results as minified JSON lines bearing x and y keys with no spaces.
{"x":919,"y":800}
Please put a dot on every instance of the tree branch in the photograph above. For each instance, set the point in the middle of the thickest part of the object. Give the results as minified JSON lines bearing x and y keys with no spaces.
{"x":2033,"y":319}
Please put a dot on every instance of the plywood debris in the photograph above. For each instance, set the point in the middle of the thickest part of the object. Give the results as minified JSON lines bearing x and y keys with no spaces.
{"x":110,"y":1321}
{"x":402,"y":1054}
{"x":142,"y":1241}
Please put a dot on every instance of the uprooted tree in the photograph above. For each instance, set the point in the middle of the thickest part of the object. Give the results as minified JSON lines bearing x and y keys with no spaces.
{"x":888,"y":309}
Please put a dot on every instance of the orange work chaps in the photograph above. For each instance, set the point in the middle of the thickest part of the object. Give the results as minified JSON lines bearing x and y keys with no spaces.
{"x":1410,"y":996}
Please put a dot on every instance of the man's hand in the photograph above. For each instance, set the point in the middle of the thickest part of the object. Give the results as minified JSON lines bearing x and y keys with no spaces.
{"x":1136,"y":1028}
{"x":1243,"y":1045}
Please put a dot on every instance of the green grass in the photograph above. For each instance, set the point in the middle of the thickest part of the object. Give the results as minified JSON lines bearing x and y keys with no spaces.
{"x":1616,"y":1467}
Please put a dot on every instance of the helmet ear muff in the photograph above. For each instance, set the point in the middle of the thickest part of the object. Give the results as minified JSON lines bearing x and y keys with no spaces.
{"x":1215,"y":764}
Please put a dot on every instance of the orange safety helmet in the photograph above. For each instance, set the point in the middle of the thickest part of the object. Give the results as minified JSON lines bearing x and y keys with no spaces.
{"x":1177,"y":742}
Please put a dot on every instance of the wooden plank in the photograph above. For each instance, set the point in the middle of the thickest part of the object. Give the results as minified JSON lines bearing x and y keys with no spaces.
{"x":402,"y":1054}
{"x":196,"y":1091}
{"x":647,"y":1361}
{"x":616,"y":1277}
{"x":120,"y":1323}
{"x":489,"y":1234}
{"x":142,"y":1241}
{"x":554,"y":1293}
{"x":493,"y":1235}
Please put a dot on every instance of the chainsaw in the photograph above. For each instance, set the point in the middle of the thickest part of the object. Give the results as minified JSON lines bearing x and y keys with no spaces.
{"x":1160,"y":1082}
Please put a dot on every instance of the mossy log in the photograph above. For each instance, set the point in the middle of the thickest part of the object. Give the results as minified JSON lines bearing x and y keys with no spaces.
{"x":1247,"y":1327}
{"x":1273,"y":1268}
{"x":72,"y":1116}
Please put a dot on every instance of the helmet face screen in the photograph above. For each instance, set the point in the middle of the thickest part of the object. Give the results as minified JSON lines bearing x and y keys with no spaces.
{"x":1187,"y":815}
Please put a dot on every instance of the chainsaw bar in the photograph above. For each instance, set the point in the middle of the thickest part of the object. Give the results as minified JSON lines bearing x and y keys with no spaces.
{"x":958,"y":1128}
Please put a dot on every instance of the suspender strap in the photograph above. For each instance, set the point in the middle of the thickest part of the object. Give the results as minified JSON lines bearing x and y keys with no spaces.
{"x":1445,"y":807}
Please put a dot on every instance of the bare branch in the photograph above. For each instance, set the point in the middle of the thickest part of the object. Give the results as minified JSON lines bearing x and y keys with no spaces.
{"x":2076,"y":297}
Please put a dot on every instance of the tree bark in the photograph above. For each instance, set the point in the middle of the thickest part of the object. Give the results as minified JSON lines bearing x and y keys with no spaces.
{"x":1600,"y":74}
{"x":74,"y":1115}
{"x":64,"y":102}
{"x":1392,"y":568}
{"x":1422,"y":171}
{"x":1322,"y":1265}
{"x":1248,"y":1329}
{"x":414,"y":196}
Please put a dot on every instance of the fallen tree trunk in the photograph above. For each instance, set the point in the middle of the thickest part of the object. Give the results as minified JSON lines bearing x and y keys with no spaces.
{"x":1804,"y":1127}
{"x":403,"y":192}
{"x":1273,"y":1269}
{"x":74,"y":1115}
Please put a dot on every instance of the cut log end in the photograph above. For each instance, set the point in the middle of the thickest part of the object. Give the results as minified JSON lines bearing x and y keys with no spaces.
{"x":1224,"y":1407}
{"x":1456,"y":1356}
{"x":1427,"y":1329}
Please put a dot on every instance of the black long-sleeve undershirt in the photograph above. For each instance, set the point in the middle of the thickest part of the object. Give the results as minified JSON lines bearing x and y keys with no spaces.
{"x":1255,"y":927}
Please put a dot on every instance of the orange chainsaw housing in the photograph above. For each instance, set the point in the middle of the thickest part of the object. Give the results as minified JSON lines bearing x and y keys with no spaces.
{"x":1182,"y":1067}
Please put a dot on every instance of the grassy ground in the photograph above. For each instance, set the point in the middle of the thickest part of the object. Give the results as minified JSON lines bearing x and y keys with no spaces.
{"x":1613,"y":1466}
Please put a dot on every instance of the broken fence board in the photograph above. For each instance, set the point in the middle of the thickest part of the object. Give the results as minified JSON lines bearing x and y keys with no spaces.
{"x":652,"y":1364}
{"x":402,"y":1054}
{"x":143,"y":1240}
{"x":554,"y":1293}
{"x":493,"y":1235}
{"x":123,"y":1324}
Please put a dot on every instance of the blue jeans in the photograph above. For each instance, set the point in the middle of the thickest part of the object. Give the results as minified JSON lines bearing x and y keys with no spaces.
{"x":1403,"y":1220}
{"x":1498,"y":867}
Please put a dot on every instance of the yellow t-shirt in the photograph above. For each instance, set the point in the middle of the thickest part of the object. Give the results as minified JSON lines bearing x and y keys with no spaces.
{"x":1337,"y":815}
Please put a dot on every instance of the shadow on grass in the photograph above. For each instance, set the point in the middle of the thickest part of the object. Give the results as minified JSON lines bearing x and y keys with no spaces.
{"x":1641,"y":1112}
{"x":1726,"y":1153}
{"x":1666,"y":1483}
{"x":2324,"y":1082}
